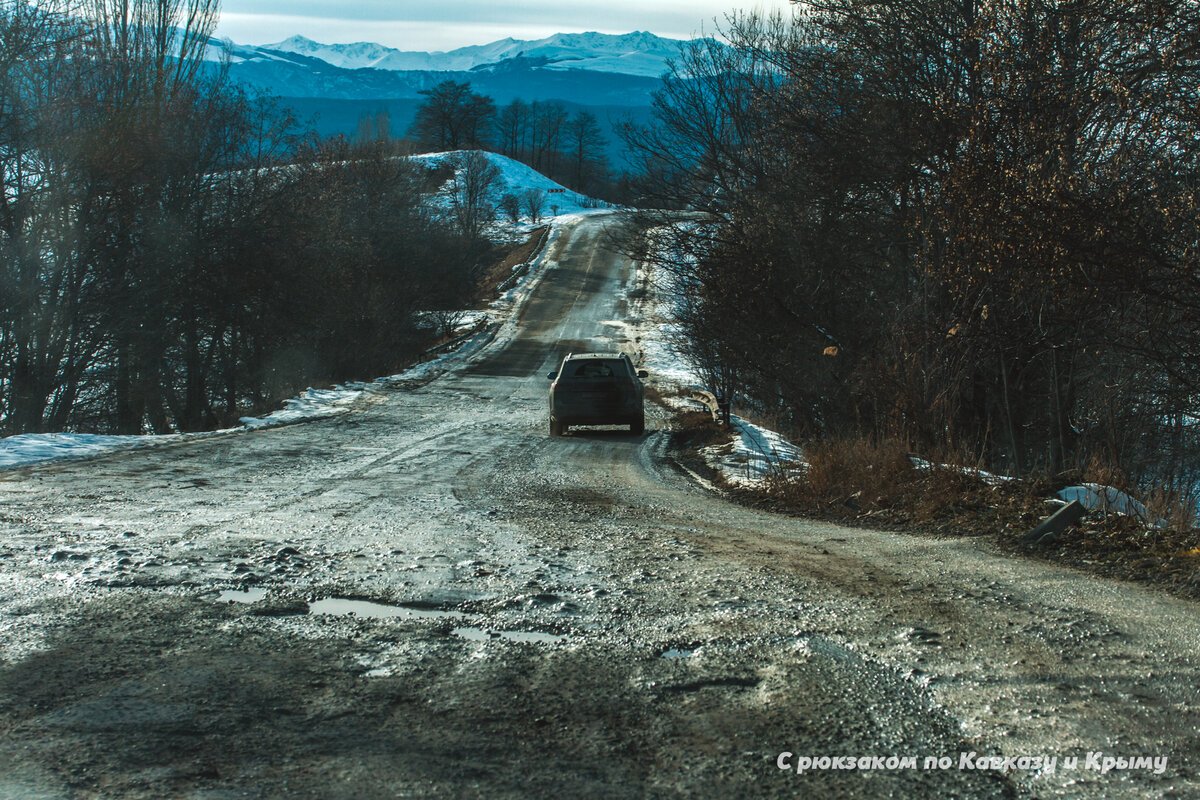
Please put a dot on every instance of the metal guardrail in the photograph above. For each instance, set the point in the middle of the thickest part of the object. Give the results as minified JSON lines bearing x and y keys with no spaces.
{"x":450,"y":344}
{"x":716,"y":406}
{"x":511,"y":280}
{"x":521,"y":269}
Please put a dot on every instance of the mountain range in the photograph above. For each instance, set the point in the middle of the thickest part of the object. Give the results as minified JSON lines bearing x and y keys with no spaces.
{"x":613,"y":76}
{"x":586,"y":68}
{"x":638,"y":53}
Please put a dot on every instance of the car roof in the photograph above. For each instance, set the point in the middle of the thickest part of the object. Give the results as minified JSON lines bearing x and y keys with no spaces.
{"x":573,"y":356}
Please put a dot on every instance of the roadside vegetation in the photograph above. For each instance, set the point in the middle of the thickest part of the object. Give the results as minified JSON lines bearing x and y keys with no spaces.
{"x":878,"y":484}
{"x":175,"y":252}
{"x":956,"y":229}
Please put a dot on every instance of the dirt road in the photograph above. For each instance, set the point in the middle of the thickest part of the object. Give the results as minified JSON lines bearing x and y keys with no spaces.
{"x":430,"y":597}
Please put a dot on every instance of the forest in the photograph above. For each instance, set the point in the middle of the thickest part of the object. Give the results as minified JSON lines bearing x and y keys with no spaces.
{"x":175,"y":251}
{"x":969,"y":227}
{"x":567,"y":148}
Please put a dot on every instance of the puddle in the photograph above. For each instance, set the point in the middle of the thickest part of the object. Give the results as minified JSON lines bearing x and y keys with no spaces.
{"x":678,"y":653}
{"x":482,"y":635}
{"x":339,"y":607}
{"x":242,"y":595}
{"x":364,"y":609}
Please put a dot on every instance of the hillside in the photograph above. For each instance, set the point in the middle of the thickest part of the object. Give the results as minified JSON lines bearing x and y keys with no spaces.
{"x":517,"y":178}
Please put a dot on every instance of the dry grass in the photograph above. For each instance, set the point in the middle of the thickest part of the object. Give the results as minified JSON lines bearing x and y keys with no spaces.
{"x":858,"y":470}
{"x":696,"y":428}
{"x":876,"y":484}
{"x":853,"y":479}
{"x":1175,"y":507}
{"x":655,"y":395}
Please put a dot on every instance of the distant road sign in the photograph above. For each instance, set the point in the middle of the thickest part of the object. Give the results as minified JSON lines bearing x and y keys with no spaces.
{"x":555,"y":191}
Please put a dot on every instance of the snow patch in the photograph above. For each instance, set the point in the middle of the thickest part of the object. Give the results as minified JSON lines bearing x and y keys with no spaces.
{"x":755,"y":455}
{"x":311,"y":404}
{"x":990,"y":478}
{"x":33,"y":448}
{"x":515,"y":179}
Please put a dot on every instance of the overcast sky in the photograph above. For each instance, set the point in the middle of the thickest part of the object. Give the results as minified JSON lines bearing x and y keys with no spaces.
{"x":445,"y":25}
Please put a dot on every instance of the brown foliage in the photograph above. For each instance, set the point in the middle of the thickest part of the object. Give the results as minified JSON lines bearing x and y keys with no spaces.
{"x":857,"y":479}
{"x":876,"y":484}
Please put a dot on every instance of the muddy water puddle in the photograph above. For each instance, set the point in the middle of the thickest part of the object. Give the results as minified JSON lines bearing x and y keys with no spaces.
{"x":486,"y":635}
{"x":674,"y":653}
{"x":242,"y":596}
{"x":365,"y":609}
{"x":368,"y":610}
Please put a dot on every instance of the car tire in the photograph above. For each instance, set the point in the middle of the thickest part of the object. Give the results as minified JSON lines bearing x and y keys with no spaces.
{"x":557,"y":428}
{"x":638,"y":426}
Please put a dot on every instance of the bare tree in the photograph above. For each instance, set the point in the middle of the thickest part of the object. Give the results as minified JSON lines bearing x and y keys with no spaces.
{"x":978,"y":207}
{"x":452,"y":117}
{"x":547,"y":121}
{"x":534,"y":201}
{"x":513,"y":130}
{"x":374,"y":128}
{"x":584,"y":147}
{"x":150,"y":55}
{"x":472,"y":191}
{"x":510,"y":204}
{"x":48,"y":308}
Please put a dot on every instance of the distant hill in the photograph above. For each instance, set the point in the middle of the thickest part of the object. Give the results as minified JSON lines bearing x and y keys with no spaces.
{"x":331,"y":116}
{"x":304,"y":76}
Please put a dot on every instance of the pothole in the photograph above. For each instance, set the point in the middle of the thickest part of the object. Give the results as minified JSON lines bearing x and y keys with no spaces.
{"x":365,"y":609}
{"x":242,"y":595}
{"x":341,"y":607}
{"x":678,"y":653}
{"x":485,"y":635}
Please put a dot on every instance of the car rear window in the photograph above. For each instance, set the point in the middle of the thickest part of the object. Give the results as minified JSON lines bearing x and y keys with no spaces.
{"x":594,"y":368}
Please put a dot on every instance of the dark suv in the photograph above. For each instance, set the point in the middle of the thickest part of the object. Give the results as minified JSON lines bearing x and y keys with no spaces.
{"x":596,"y":389}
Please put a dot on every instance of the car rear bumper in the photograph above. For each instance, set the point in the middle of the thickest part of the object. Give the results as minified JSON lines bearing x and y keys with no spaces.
{"x":596,"y":413}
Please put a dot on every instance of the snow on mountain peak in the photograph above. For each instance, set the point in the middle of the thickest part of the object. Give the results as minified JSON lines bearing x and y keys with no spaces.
{"x":637,"y":53}
{"x":356,"y":55}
